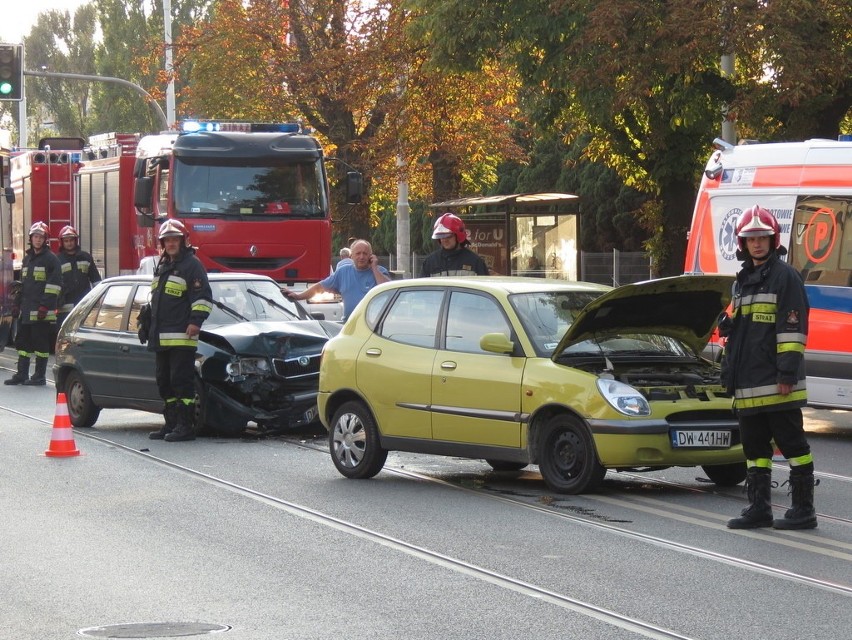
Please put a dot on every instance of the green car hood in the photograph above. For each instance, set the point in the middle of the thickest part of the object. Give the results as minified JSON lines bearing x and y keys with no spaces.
{"x":683,"y":307}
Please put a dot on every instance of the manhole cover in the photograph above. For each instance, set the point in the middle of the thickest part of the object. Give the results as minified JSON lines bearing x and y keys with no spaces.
{"x":153,"y":630}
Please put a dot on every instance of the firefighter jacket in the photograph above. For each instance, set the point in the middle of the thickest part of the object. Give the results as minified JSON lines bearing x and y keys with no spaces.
{"x":766,"y":345}
{"x":41,"y":284}
{"x":180,"y":296}
{"x":461,"y":261}
{"x":79,"y":273}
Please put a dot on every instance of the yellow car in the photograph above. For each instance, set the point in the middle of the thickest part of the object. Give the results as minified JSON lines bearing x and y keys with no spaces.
{"x":575,"y":377}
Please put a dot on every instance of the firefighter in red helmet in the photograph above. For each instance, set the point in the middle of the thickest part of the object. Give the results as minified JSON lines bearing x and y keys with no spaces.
{"x":453,"y":257}
{"x":40,"y":287}
{"x":763,"y":368}
{"x":79,"y":272}
{"x":181,"y":300}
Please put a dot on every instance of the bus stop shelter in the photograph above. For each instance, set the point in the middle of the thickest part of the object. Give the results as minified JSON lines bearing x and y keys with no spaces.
{"x":528,"y":234}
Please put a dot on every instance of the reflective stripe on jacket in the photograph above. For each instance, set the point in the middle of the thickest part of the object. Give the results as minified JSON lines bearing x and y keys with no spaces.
{"x":79,"y":273}
{"x":766,"y":345}
{"x":180,"y":296}
{"x":40,"y":285}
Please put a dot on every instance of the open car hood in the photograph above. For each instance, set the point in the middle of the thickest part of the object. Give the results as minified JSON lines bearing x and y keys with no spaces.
{"x":683,"y":307}
{"x":253,"y":338}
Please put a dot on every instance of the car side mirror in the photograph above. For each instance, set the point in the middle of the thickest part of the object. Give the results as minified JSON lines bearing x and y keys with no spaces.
{"x":496,"y":343}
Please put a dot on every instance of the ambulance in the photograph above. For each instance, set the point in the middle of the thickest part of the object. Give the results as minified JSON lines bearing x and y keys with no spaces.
{"x":808,"y":187}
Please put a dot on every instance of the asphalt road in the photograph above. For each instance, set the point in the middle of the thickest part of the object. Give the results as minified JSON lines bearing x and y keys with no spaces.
{"x":264,"y":540}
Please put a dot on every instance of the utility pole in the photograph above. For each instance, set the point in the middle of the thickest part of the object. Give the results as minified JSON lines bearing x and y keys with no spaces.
{"x":403,"y":222}
{"x":170,"y":89}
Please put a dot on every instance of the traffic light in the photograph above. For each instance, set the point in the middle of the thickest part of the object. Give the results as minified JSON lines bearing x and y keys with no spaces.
{"x":11,"y":72}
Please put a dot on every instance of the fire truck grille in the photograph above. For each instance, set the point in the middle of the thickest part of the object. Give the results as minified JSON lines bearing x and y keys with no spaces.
{"x":252,"y":264}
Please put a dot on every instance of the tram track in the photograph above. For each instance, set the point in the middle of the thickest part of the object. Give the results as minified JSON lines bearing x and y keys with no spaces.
{"x":842,"y":551}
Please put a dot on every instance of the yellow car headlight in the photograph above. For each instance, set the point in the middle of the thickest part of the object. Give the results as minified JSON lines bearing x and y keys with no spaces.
{"x":623,"y":398}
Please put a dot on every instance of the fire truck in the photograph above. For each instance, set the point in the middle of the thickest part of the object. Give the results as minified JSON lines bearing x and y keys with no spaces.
{"x":808,"y":187}
{"x":7,"y":196}
{"x":254,"y":198}
{"x":42,"y":181}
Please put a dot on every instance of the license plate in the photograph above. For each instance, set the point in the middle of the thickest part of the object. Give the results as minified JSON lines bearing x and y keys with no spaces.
{"x":701,"y":439}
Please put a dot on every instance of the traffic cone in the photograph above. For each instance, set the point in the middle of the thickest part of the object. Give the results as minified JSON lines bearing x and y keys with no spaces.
{"x":62,"y":439}
{"x":777,"y":456}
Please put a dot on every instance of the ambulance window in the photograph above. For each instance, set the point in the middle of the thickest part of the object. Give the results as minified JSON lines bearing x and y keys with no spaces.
{"x":821,"y":246}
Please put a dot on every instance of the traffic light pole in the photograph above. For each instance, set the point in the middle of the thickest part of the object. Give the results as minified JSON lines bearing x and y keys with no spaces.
{"x":78,"y":76}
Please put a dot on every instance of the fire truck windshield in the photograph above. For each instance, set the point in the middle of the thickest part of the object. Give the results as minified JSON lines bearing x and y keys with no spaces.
{"x":238,"y":188}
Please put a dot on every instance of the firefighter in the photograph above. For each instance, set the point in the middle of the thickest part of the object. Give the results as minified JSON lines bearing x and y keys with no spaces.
{"x":763,"y":367}
{"x":40,"y":288}
{"x":453,"y":257}
{"x":79,"y":272}
{"x":180,"y":303}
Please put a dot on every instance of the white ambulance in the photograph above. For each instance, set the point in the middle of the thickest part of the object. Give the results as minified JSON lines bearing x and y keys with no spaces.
{"x":808,"y":187}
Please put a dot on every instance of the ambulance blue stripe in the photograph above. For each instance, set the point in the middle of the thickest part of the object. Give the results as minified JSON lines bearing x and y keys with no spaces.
{"x":830,"y":298}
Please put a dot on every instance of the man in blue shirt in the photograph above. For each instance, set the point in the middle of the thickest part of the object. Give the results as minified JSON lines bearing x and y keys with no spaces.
{"x":351,"y":281}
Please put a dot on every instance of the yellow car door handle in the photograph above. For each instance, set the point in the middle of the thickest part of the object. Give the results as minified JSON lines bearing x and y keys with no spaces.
{"x":449,"y":365}
{"x":374,"y":352}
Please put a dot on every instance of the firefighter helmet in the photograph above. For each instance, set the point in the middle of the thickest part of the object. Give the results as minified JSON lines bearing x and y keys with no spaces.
{"x":756,"y":222}
{"x":68,"y":232}
{"x":39,"y":228}
{"x":173,"y":229}
{"x":449,"y":225}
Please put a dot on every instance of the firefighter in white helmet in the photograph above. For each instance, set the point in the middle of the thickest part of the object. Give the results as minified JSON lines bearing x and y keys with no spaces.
{"x":453,"y":257}
{"x":40,"y":287}
{"x":79,"y":272}
{"x":763,"y":367}
{"x":180,"y":303}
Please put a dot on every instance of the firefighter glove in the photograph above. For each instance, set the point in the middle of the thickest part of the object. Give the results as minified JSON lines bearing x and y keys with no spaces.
{"x":42,"y":313}
{"x":725,"y":324}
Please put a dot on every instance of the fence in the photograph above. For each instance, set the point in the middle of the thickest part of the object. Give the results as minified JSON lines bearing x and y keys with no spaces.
{"x":612,"y":268}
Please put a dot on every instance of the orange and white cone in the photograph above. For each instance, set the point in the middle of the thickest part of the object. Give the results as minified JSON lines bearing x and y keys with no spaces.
{"x":62,"y":439}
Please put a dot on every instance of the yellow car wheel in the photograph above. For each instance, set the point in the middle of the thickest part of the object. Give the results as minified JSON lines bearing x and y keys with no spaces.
{"x":354,"y":442}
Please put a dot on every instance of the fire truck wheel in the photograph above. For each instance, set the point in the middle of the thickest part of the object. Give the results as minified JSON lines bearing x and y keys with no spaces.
{"x":81,"y":410}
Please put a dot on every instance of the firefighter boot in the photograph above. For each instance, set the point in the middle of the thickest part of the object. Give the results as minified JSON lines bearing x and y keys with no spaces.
{"x":802,"y":514}
{"x":759,"y":511}
{"x":170,"y":416}
{"x":23,"y":373}
{"x":184,"y":429}
{"x":38,"y":379}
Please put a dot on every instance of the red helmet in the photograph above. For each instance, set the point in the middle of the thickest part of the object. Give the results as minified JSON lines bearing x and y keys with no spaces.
{"x":449,"y":225}
{"x":756,"y":222}
{"x":68,"y":232}
{"x":41,"y":229}
{"x":172,"y":229}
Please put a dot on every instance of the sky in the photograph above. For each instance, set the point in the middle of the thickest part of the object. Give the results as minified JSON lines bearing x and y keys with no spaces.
{"x":19,"y":16}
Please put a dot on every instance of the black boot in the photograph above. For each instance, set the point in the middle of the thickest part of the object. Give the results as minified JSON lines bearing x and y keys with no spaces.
{"x":38,"y":379}
{"x":802,"y":514}
{"x":759,"y":511}
{"x":170,"y":416}
{"x":23,"y":373}
{"x":185,"y":428}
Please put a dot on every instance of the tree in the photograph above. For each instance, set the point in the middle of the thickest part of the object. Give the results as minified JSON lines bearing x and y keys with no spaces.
{"x":61,"y":44}
{"x":795,"y":67}
{"x":643,"y":78}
